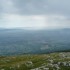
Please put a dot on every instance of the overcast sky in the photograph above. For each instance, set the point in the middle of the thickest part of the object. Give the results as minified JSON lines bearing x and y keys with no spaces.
{"x":35,"y":14}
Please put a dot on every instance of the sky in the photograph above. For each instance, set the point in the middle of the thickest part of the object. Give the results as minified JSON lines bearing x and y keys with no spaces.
{"x":35,"y":14}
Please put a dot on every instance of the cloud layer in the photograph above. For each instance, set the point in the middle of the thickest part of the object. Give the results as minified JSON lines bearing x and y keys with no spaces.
{"x":35,"y":13}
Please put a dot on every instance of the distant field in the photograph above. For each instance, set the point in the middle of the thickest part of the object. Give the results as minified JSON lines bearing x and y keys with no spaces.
{"x":53,"y":61}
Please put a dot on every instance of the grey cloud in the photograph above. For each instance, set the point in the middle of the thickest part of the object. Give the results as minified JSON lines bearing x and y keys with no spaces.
{"x":59,"y":6}
{"x":37,"y":7}
{"x":29,"y":7}
{"x":42,"y":6}
{"x":7,"y":7}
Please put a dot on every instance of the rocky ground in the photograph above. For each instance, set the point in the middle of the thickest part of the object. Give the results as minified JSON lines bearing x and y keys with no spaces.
{"x":53,"y":61}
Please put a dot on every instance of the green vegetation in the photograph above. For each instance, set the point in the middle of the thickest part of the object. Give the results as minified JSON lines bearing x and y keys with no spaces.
{"x":53,"y":61}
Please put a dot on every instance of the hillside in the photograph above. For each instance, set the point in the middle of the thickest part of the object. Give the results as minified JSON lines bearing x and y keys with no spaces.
{"x":53,"y":61}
